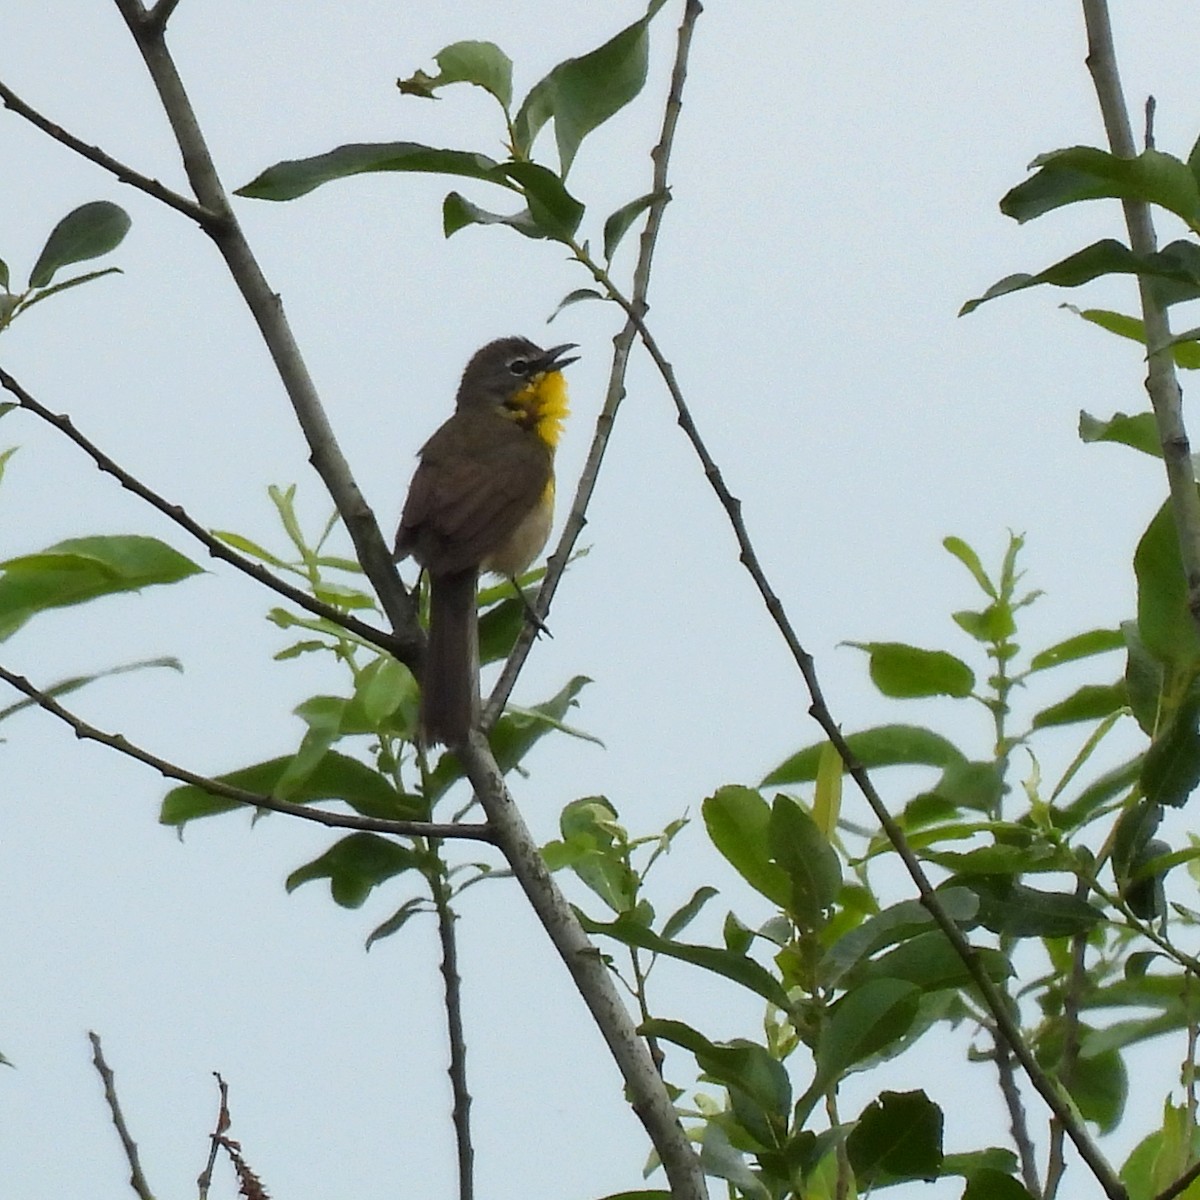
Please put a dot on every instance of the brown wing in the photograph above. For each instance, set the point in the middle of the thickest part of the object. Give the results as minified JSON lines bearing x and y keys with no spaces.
{"x":479,"y":477}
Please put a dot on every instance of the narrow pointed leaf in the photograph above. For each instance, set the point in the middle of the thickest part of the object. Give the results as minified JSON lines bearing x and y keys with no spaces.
{"x":967,"y":556}
{"x":1185,"y":352}
{"x":458,"y":212}
{"x":619,"y":222}
{"x":1082,"y":645}
{"x":297,"y":177}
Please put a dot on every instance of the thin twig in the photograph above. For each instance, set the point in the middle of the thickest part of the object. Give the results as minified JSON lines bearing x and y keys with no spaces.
{"x":1018,"y":1120}
{"x":1069,"y":1058}
{"x":1161,"y":381}
{"x":267,"y":309}
{"x":644,"y":1086}
{"x":214,"y":545}
{"x":615,"y":393}
{"x":118,"y":742}
{"x":137,"y":1180}
{"x":452,"y":982}
{"x":1181,"y":1184}
{"x":125,"y":174}
{"x":204,"y":1179}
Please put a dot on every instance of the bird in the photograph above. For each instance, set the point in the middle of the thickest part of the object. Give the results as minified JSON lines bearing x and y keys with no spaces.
{"x":481,"y":499}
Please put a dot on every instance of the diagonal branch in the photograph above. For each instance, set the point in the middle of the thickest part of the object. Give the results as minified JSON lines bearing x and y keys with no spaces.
{"x":615,"y":393}
{"x":267,"y":309}
{"x":643,"y":1084}
{"x":214,"y":545}
{"x":118,"y":742}
{"x":137,"y":1180}
{"x":125,"y":174}
{"x":1161,"y":381}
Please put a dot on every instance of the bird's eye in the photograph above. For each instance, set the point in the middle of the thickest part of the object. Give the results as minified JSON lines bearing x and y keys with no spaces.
{"x":519,"y":366}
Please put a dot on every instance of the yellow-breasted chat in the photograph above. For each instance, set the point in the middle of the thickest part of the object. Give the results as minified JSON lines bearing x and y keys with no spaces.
{"x":482,"y":499}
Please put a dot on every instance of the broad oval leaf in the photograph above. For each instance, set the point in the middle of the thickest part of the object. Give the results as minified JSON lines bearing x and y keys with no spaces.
{"x":354,"y":866}
{"x":582,"y":93}
{"x":1164,"y":622}
{"x":87,"y":232}
{"x":897,"y":1137}
{"x":1092,"y":702}
{"x":811,"y":863}
{"x":883,"y":746}
{"x":909,"y":672}
{"x":81,"y":569}
{"x":738,"y":821}
{"x":482,"y":63}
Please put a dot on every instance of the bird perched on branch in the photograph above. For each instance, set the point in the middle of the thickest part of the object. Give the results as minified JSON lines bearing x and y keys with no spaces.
{"x":482,"y":499}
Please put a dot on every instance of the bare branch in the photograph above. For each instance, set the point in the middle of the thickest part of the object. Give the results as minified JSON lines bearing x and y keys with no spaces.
{"x":116,"y":741}
{"x":217,"y":548}
{"x":137,"y":1180}
{"x":647,"y":1093}
{"x":160,"y":14}
{"x":125,"y":174}
{"x":1017,"y":1120}
{"x":615,"y":393}
{"x":452,"y":984}
{"x":267,"y":309}
{"x":1161,"y":381}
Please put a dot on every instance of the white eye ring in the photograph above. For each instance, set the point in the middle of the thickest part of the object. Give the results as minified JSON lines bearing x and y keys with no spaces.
{"x":519,"y":366}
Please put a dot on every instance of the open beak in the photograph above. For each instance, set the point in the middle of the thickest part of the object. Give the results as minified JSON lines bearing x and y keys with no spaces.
{"x":550,"y":360}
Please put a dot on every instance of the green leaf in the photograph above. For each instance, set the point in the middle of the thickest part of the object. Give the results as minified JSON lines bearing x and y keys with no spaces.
{"x":883,"y":746}
{"x":323,"y":716}
{"x":1097,"y":1082}
{"x":803,"y":851}
{"x":726,"y":963}
{"x":722,"y":1160}
{"x":1106,"y":257}
{"x":82,"y":569}
{"x":382,"y":687}
{"x":67,"y":284}
{"x":336,"y":777}
{"x":861,"y":1024}
{"x":619,"y":222}
{"x":1183,"y":349}
{"x":1089,"y":703}
{"x":1082,"y":645}
{"x":897,"y":1137}
{"x":244,"y":545}
{"x":989,"y":1184}
{"x":354,"y":866}
{"x":994,"y":624}
{"x":65,"y":687}
{"x":518,"y":731}
{"x":967,"y":556}
{"x":1138,"y":431}
{"x":582,"y":93}
{"x":483,"y":64}
{"x":297,"y":177}
{"x":87,"y":232}
{"x":1085,"y":173}
{"x":397,"y":921}
{"x":897,"y":923}
{"x":994,"y":1158}
{"x":553,"y":210}
{"x":738,"y":821}
{"x":743,"y":1065}
{"x":1018,"y":911}
{"x":458,"y":213}
{"x":1164,"y":622}
{"x":931,"y":963}
{"x":683,"y":916}
{"x":4,"y":278}
{"x":906,"y":672}
{"x":574,"y":298}
{"x":1171,"y":769}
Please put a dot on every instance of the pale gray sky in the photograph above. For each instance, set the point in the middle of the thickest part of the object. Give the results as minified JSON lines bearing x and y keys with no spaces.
{"x":836,"y":180}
